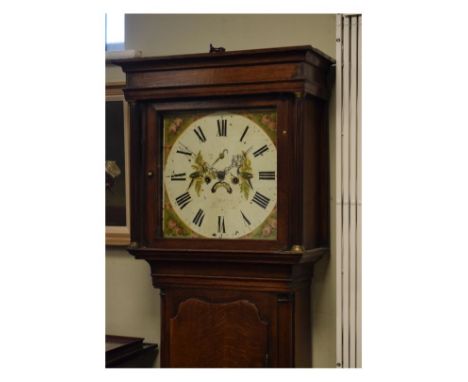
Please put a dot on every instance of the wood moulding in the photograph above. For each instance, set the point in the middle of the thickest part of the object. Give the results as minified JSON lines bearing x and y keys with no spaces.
{"x":230,"y":255}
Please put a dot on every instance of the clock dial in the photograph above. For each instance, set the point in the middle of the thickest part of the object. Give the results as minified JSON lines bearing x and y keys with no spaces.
{"x":220,"y":175}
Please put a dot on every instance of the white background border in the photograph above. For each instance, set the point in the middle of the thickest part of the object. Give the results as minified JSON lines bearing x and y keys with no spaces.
{"x":414,"y":190}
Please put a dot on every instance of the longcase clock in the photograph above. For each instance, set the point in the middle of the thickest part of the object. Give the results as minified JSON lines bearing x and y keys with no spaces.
{"x":229,"y":199}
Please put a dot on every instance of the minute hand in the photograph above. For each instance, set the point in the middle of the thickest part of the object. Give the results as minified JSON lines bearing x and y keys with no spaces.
{"x":220,"y":156}
{"x":247,"y":176}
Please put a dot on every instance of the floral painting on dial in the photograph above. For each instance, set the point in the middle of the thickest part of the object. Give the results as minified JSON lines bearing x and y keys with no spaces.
{"x":220,"y":174}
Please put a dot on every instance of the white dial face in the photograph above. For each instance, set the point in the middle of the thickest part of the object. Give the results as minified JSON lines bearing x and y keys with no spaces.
{"x":220,"y":177}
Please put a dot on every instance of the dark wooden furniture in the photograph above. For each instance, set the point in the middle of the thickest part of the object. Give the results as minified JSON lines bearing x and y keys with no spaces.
{"x":235,"y":303}
{"x":126,"y":352}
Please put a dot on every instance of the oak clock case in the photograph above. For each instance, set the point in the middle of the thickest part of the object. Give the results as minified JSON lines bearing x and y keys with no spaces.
{"x":229,"y":200}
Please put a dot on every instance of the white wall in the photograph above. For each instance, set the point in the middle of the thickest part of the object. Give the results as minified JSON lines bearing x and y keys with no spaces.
{"x":132,"y":304}
{"x":180,"y":34}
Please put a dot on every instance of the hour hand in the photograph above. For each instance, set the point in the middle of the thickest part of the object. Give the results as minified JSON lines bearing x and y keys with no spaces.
{"x":220,"y":156}
{"x":247,"y":176}
{"x":194,"y":175}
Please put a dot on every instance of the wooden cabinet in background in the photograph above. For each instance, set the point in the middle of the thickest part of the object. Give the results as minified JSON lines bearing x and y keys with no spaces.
{"x":129,"y":352}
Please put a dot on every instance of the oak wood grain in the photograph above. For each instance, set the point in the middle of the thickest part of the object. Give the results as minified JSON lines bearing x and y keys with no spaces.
{"x":231,"y":334}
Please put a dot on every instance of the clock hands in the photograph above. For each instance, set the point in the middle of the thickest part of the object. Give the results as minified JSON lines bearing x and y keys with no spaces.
{"x":242,"y":163}
{"x":194,"y":175}
{"x":220,"y":156}
{"x":204,"y":173}
{"x":247,"y":176}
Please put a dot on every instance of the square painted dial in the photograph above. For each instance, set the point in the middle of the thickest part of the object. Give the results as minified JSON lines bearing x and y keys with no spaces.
{"x":220,"y":175}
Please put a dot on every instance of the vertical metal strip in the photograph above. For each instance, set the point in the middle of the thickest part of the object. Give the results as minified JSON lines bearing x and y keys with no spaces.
{"x":352,"y":193}
{"x":345,"y":190}
{"x":337,"y":193}
{"x":358,"y":197}
{"x":348,"y":191}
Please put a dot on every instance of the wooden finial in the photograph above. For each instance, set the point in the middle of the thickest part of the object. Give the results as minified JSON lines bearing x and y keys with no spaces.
{"x":216,"y":50}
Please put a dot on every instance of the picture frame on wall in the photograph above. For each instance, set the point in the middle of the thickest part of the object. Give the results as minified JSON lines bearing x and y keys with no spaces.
{"x":117,"y":169}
